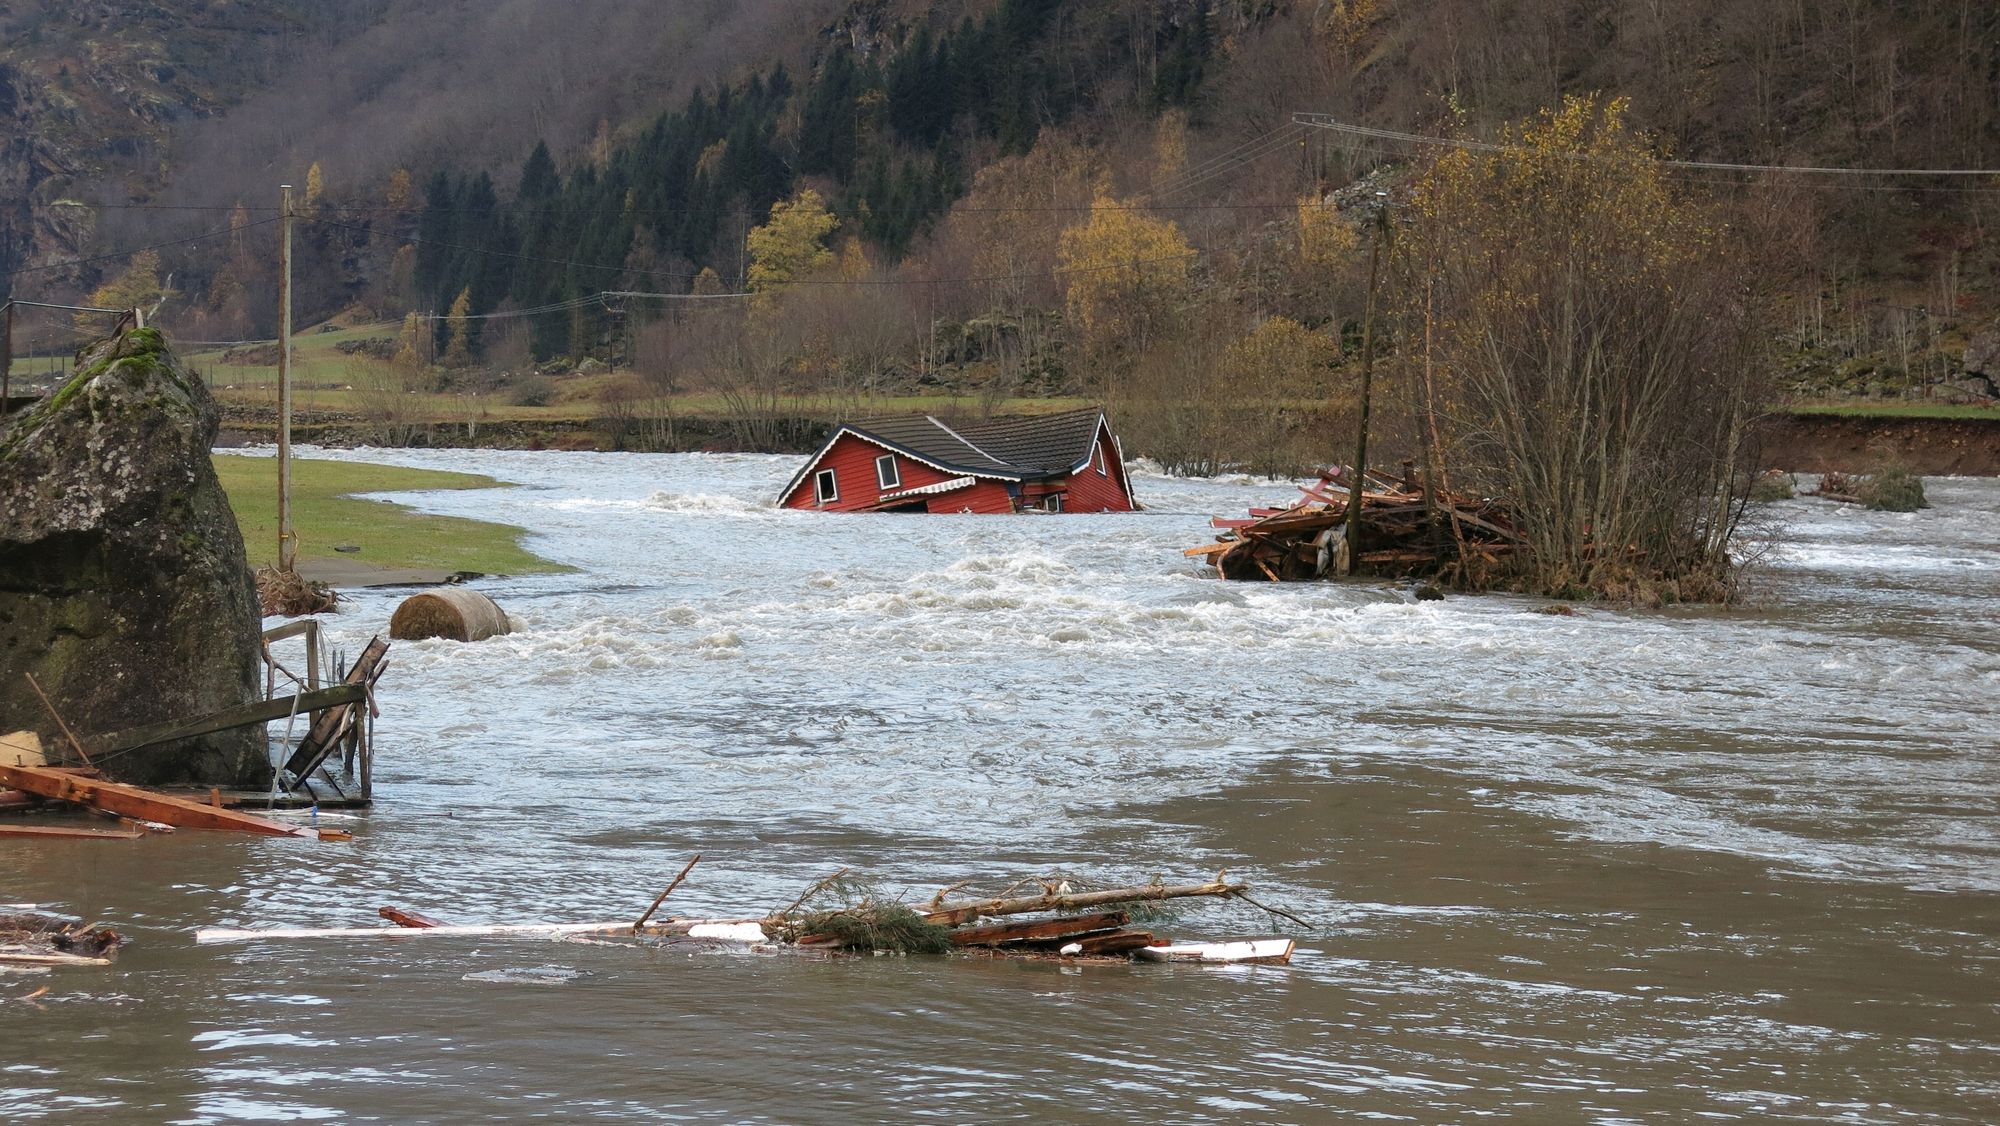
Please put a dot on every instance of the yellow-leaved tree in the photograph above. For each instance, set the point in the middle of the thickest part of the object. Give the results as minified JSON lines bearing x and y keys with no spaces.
{"x":458,"y":347}
{"x":400,"y":191}
{"x":1326,"y":240}
{"x":1126,"y":274}
{"x":315,"y":189}
{"x":793,"y":243}
{"x":136,"y":287}
{"x":1281,"y":370}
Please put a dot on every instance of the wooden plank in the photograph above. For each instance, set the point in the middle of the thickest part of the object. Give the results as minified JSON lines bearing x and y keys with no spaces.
{"x":26,"y":958}
{"x":735,"y":930}
{"x":132,"y":801}
{"x":65,"y":833}
{"x":261,"y":712}
{"x":1117,"y":942}
{"x":1038,"y":929}
{"x":319,"y":742}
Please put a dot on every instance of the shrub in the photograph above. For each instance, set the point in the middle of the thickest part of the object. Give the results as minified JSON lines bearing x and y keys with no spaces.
{"x":534,"y":391}
{"x":1893,"y":490}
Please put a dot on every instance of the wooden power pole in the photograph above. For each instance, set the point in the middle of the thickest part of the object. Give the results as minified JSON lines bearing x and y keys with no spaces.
{"x":287,"y":542}
{"x":7,"y":360}
{"x":1352,"y":557}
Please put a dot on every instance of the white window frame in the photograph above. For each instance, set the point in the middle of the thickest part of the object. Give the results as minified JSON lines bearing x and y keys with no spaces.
{"x":1102,"y":469}
{"x":826,"y":487}
{"x":887,"y":473}
{"x":1054,"y":503}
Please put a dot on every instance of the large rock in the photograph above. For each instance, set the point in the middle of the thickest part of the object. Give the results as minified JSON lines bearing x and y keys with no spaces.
{"x":123,"y":586}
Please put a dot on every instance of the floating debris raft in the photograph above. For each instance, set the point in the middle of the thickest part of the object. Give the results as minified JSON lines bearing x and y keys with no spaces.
{"x":1066,"y":924}
{"x":34,"y":938}
{"x":1406,"y":531}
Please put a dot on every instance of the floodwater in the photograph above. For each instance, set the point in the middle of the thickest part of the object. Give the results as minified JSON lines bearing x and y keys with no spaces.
{"x":1618,"y":867}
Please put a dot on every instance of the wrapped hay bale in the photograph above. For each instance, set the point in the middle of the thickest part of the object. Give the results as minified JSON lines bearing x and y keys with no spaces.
{"x":456,"y":612}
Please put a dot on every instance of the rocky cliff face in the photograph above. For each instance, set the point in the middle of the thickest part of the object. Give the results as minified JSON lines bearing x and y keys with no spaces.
{"x":123,"y":584}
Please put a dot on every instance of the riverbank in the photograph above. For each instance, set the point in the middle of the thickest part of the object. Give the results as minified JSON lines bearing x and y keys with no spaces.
{"x":348,"y":540}
{"x":1808,"y":440}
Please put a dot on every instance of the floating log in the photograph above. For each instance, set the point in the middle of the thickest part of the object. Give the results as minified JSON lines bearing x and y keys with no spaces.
{"x":732,"y":929}
{"x":955,"y":914}
{"x":135,"y":802}
{"x":455,"y":612}
{"x":1039,"y":929}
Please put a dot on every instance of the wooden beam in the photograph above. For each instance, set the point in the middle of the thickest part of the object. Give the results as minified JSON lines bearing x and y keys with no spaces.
{"x":132,"y":801}
{"x":262,"y":712}
{"x":1039,"y":929}
{"x":66,"y":833}
{"x":1117,"y":942}
{"x":726,"y":929}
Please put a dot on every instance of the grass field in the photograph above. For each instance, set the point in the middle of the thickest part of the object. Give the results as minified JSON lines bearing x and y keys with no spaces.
{"x":325,"y":514}
{"x":1896,"y":410}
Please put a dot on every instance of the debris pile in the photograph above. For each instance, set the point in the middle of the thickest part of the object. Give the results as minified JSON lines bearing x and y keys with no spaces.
{"x":38,"y":939}
{"x":1407,"y":531}
{"x":288,"y":594}
{"x":1059,"y":922}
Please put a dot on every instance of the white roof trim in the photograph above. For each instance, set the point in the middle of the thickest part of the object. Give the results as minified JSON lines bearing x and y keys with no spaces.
{"x":952,"y":485}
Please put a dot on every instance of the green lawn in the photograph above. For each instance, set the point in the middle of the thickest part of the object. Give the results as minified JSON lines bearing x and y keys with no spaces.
{"x":326,"y":515}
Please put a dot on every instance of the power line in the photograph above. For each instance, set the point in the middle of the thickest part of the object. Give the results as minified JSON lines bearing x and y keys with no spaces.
{"x":1324,"y":121}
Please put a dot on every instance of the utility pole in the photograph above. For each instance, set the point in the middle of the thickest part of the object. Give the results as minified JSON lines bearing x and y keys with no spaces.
{"x":287,"y":543}
{"x":1352,"y":556}
{"x":6,"y":360}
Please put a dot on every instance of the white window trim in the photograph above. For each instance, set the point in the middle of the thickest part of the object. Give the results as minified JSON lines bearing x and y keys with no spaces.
{"x":1054,"y":503}
{"x":830,"y":494}
{"x":892,"y":479}
{"x":1102,"y":469}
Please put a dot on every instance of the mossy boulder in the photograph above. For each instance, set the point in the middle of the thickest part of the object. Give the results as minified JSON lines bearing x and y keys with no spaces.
{"x":123,"y":584}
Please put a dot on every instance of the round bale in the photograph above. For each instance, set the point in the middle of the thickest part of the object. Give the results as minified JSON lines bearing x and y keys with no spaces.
{"x":456,"y":612}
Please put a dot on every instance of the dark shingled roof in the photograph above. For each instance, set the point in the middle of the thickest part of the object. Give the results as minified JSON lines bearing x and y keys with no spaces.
{"x":1038,"y":444}
{"x":1025,"y":446}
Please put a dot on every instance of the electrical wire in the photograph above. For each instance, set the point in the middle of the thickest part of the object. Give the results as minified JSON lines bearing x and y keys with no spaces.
{"x":1325,"y":121}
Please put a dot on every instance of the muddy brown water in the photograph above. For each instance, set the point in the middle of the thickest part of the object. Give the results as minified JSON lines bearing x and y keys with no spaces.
{"x":1615,"y":867}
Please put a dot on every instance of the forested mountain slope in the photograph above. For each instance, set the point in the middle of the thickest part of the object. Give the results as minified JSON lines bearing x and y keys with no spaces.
{"x":529,"y":153}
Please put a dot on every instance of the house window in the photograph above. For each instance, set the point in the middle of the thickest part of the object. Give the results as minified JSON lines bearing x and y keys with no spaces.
{"x":1101,"y":470}
{"x":886,"y":473}
{"x":1055,"y":502}
{"x":824,"y":487}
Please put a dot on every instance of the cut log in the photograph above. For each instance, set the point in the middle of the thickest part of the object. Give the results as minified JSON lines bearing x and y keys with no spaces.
{"x":132,"y":801}
{"x":1039,"y":929}
{"x":60,"y":832}
{"x":965,"y":911}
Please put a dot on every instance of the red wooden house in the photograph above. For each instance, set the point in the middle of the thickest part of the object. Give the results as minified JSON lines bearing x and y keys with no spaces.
{"x":913,"y":463}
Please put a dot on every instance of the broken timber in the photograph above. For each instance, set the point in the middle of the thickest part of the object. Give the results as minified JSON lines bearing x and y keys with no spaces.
{"x":133,"y":801}
{"x":263,"y":711}
{"x":331,"y":725}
